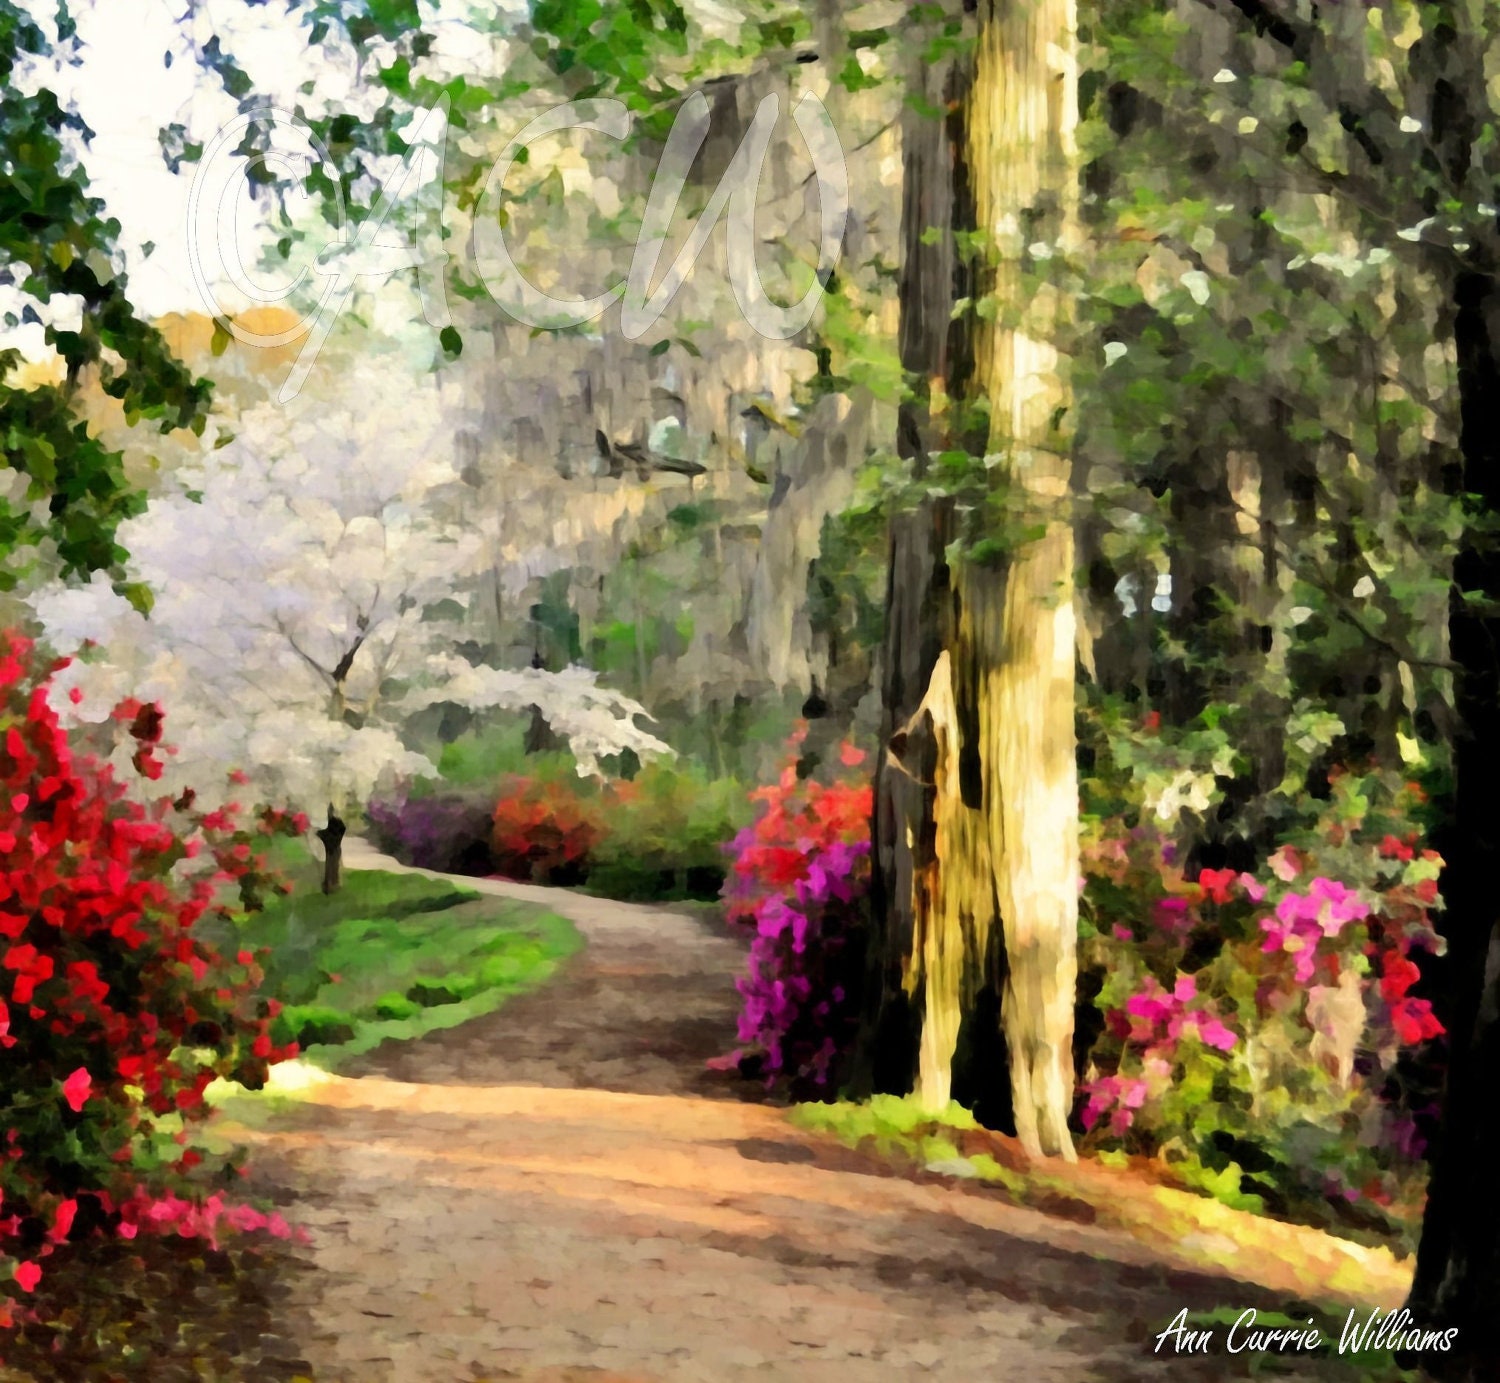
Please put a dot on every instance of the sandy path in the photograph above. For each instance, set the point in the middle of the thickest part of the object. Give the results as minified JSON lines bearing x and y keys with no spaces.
{"x":560,"y":1192}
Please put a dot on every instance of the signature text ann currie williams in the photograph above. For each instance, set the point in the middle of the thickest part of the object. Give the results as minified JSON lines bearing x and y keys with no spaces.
{"x":1378,"y":1330}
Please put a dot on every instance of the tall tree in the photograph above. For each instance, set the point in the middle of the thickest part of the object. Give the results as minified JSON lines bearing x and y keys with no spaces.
{"x":977,"y":809}
{"x":1023,"y":154}
{"x":933,"y":929}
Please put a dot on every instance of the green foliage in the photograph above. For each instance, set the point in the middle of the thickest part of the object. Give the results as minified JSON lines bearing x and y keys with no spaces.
{"x":897,"y":1127}
{"x":846,"y":587}
{"x":621,"y":48}
{"x":665,"y":833}
{"x":482,"y":757}
{"x":1264,"y":405}
{"x":854,"y":353}
{"x":886,"y":1118}
{"x":57,"y":243}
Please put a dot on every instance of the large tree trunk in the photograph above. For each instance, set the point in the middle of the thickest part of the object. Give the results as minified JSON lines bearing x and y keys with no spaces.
{"x":930,"y":959}
{"x":1457,"y":1279}
{"x":1023,"y":119}
{"x":976,"y":799}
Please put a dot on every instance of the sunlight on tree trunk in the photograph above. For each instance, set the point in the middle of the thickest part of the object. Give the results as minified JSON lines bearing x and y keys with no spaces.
{"x":898,"y":1044}
{"x":953,"y":899}
{"x":1023,"y":120}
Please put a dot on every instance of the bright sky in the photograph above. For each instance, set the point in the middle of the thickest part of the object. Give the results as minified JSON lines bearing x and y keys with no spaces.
{"x":127,"y":93}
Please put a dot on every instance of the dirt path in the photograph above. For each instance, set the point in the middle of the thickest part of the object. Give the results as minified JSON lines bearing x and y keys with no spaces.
{"x":560,"y":1192}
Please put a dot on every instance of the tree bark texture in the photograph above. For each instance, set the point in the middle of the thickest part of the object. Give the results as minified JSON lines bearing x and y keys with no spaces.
{"x":1457,"y":1281}
{"x":1023,"y":118}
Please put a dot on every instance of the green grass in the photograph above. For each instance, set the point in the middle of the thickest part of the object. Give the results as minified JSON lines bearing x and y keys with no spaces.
{"x":394,"y":956}
{"x":897,"y":1128}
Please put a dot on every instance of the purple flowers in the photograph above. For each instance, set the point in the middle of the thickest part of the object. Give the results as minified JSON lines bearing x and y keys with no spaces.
{"x":447,"y":831}
{"x":799,"y":878}
{"x":795,"y":1013}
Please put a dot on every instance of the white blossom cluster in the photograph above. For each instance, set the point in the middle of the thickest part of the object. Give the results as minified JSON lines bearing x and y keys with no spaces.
{"x":310,"y":582}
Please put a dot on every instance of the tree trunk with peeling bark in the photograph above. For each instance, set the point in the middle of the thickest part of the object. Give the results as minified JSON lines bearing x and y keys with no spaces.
{"x":977,"y":797}
{"x":906,"y":1035}
{"x":1023,"y":118}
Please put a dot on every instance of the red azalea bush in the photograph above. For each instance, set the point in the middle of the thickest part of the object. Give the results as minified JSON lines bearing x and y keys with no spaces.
{"x":1255,"y":1024}
{"x":544,"y":831}
{"x":114,"y":1014}
{"x":800,"y":878}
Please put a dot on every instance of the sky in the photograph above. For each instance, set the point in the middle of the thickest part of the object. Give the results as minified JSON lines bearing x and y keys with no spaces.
{"x":126,"y":92}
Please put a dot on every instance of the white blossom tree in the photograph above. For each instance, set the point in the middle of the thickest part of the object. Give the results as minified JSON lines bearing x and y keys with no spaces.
{"x":310,"y":581}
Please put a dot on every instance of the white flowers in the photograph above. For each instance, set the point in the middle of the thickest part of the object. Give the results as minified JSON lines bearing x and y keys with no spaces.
{"x":1186,"y":791}
{"x":1196,"y":283}
{"x":306,"y":605}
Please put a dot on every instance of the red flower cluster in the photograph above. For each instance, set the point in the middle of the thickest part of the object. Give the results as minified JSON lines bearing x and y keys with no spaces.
{"x":799,"y":820}
{"x":1412,"y":1019}
{"x":118,"y":1011}
{"x":800,"y":876}
{"x":543,"y":831}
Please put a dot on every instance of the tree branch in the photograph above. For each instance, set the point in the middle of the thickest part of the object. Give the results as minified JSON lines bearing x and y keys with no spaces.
{"x":341,"y":668}
{"x":306,"y":657}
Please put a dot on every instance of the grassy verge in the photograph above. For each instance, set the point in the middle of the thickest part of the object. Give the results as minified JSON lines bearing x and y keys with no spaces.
{"x":1329,"y":1274}
{"x":394,"y":956}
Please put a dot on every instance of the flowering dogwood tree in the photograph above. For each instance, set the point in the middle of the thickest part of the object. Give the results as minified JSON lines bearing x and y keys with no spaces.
{"x":310,"y":583}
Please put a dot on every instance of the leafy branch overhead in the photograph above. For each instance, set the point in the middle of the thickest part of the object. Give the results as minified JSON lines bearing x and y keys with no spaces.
{"x":58,"y":251}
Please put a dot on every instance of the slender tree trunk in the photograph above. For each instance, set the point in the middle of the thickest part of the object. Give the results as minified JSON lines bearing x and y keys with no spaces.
{"x":540,"y":737}
{"x":1457,"y":1280}
{"x":1023,"y":119}
{"x":332,"y":836}
{"x":640,"y":632}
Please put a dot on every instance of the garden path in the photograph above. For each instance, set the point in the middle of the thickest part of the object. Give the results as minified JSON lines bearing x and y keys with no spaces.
{"x":560,"y":1193}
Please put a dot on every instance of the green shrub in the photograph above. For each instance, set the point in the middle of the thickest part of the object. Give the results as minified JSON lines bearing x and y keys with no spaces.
{"x":665,"y":834}
{"x":481,"y":758}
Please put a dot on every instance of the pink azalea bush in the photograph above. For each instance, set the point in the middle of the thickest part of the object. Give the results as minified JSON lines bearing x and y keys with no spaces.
{"x":799,"y":879}
{"x":1254,"y":1023}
